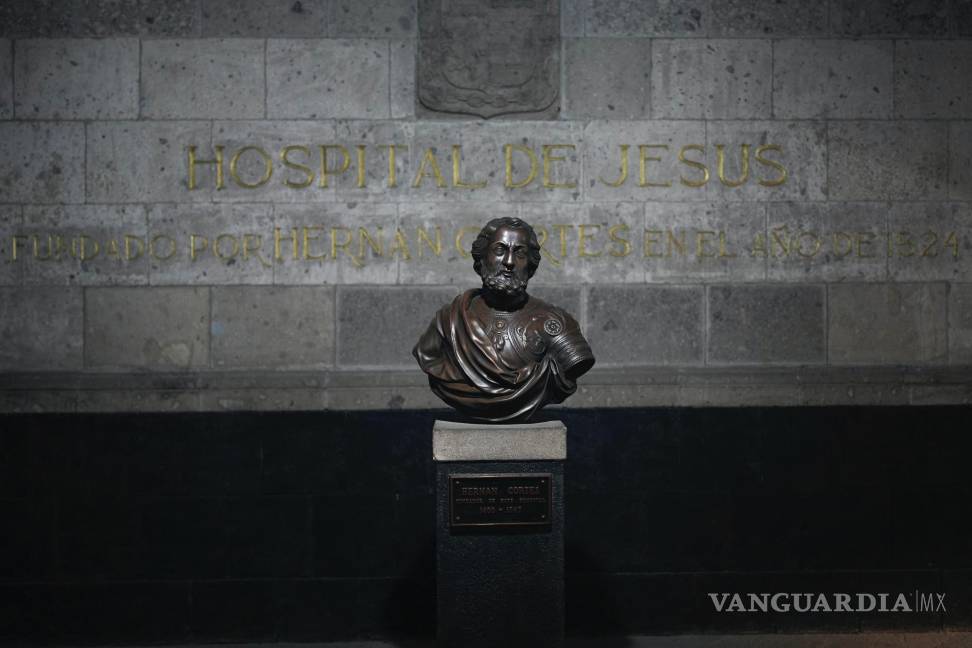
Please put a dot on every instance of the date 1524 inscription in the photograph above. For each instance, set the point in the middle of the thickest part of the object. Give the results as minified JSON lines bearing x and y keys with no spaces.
{"x":500,"y":500}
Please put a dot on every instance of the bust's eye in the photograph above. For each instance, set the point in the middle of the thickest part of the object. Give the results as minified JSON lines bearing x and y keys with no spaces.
{"x":499,"y":249}
{"x":520,"y":253}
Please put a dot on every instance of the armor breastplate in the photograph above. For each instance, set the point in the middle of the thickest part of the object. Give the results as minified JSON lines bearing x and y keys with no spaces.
{"x":522,"y":335}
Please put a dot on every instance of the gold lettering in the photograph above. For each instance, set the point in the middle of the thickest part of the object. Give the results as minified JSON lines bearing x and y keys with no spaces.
{"x":930,"y":249}
{"x":864,"y":239}
{"x":218,"y":246}
{"x":284,"y":157}
{"x":508,"y":155}
{"x":583,"y":237}
{"x":549,"y":159}
{"x":759,"y":246}
{"x":904,"y":240}
{"x":293,"y":241}
{"x":951,"y":241}
{"x":343,"y":245}
{"x":428,"y":160}
{"x":15,"y":248}
{"x":624,"y":169}
{"x":643,"y":159}
{"x":562,"y":229}
{"x":651,"y":238}
{"x":814,"y":244}
{"x":775,"y":182}
{"x":392,"y":166}
{"x":781,"y":239}
{"x":400,"y":247}
{"x":701,"y":238}
{"x":365,"y":237}
{"x":460,"y":248}
{"x":435,"y":246}
{"x":79,"y":248}
{"x":694,"y":164}
{"x":361,"y":166}
{"x":456,"y":176}
{"x":306,"y":238}
{"x":267,"y":167}
{"x":672,"y":242}
{"x":255,"y":250}
{"x":723,"y":253}
{"x":218,"y":162}
{"x":326,"y":172}
{"x":194,"y":251}
{"x":721,"y":165}
{"x":613,"y":233}
{"x":843,"y":244}
{"x":153,"y":251}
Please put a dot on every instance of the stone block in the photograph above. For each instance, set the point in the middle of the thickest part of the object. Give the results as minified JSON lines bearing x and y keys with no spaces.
{"x":340,"y":243}
{"x":695,"y":242}
{"x":452,"y":441}
{"x":169,"y":19}
{"x":568,"y":298}
{"x":275,"y":327}
{"x":443,"y":234}
{"x":77,"y":79}
{"x":373,"y":18}
{"x":933,"y":79}
{"x":148,"y":162}
{"x":645,"y":325}
{"x":378,"y":327}
{"x":6,"y":79}
{"x":606,"y":78}
{"x":883,"y":18}
{"x":42,"y":162}
{"x":588,"y":243}
{"x":206,"y":78}
{"x":147,"y":328}
{"x":799,"y":146}
{"x":960,"y":324}
{"x":403,"y":78}
{"x":638,"y":18}
{"x":767,"y":18}
{"x":11,"y":222}
{"x":258,"y":18}
{"x":843,"y":79}
{"x":210,"y":244}
{"x":960,"y":162}
{"x":482,"y":159}
{"x":84,"y":244}
{"x":889,"y":323}
{"x":711,"y":79}
{"x":830,"y":242}
{"x":40,"y":328}
{"x":879,"y":160}
{"x":930,"y":241}
{"x":613,"y":168}
{"x":318,"y":79}
{"x":766,"y":324}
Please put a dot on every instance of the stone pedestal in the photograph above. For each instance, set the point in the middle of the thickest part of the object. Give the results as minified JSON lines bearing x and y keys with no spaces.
{"x":499,"y":541}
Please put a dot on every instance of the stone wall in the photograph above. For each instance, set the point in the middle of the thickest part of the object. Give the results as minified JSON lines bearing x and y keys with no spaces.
{"x":850,"y":282}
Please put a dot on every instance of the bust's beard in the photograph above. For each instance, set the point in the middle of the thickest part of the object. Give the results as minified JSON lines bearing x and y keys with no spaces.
{"x":510,"y":287}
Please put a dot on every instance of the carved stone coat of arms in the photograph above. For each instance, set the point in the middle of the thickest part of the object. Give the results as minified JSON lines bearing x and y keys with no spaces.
{"x":489,"y":57}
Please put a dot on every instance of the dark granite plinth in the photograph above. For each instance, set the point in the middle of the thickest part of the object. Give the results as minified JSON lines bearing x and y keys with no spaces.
{"x":500,"y":586}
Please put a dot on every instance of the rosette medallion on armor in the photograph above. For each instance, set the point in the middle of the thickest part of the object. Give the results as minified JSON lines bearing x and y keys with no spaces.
{"x":496,"y":353}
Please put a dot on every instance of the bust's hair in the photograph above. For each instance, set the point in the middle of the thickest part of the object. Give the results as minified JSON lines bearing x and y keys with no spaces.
{"x":486,"y":235}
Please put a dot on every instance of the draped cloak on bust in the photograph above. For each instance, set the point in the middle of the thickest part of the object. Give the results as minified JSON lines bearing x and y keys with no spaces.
{"x":502,"y":366}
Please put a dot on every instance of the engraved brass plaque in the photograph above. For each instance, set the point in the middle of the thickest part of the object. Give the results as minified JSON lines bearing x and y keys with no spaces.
{"x":515,"y":499}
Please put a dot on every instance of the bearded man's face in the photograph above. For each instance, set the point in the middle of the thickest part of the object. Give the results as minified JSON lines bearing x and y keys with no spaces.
{"x":505,"y":266}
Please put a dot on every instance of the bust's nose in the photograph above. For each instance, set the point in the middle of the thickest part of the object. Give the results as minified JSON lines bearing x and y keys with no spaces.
{"x":509,"y":260}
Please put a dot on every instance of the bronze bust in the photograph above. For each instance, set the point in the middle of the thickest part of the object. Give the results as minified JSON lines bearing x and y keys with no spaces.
{"x":496,"y":353}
